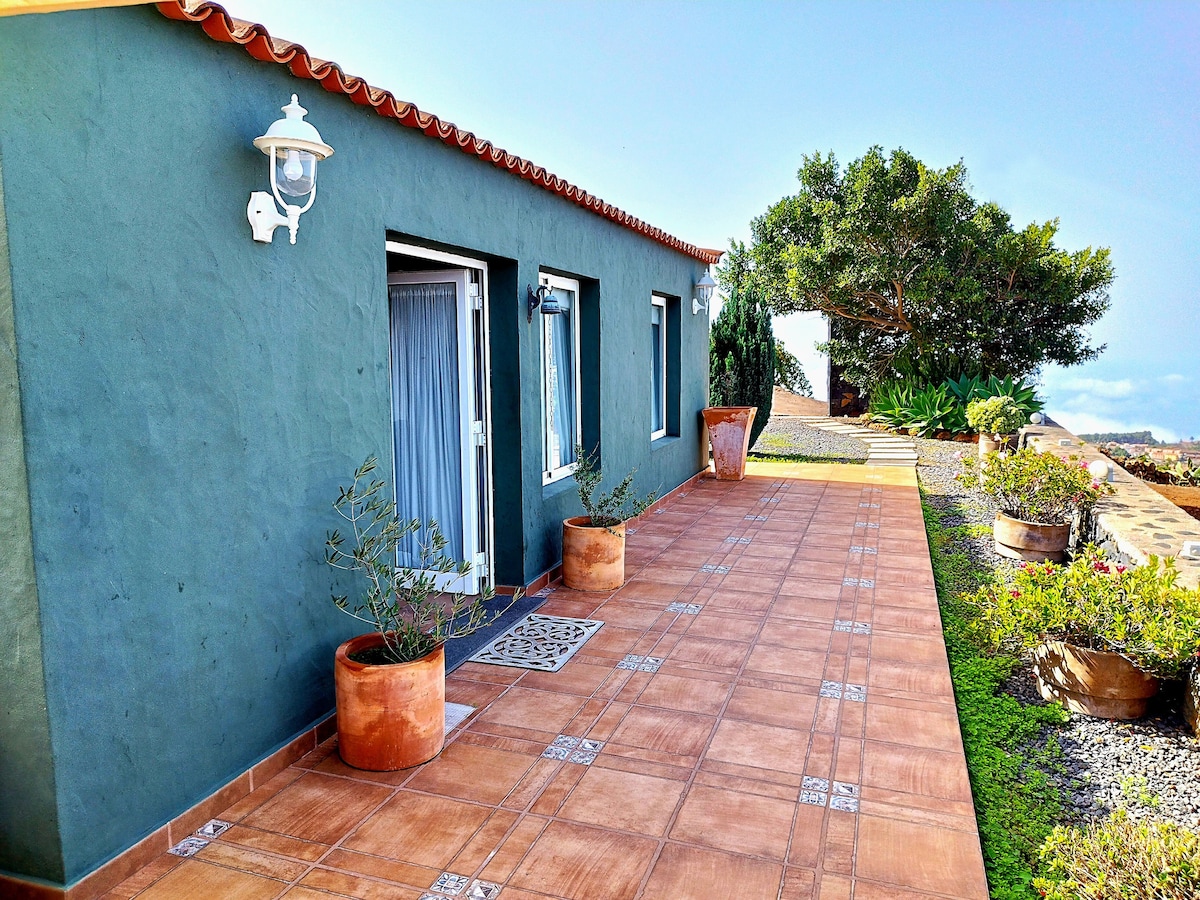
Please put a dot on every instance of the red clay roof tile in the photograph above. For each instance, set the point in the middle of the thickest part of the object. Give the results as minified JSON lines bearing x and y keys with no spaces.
{"x":220,"y":26}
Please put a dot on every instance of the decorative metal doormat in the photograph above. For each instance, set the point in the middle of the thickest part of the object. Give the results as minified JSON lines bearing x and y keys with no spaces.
{"x":544,"y":643}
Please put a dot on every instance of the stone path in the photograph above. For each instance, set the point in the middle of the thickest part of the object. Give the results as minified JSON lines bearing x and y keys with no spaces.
{"x":884,"y":449}
{"x":766,"y":714}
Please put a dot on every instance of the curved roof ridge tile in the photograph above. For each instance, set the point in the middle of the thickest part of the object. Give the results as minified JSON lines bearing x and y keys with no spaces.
{"x":258,"y":42}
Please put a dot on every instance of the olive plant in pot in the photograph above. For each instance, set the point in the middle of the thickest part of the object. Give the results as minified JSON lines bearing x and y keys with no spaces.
{"x":593,"y":546}
{"x":997,"y":420}
{"x":1039,"y":495}
{"x":1101,"y":635}
{"x":391,"y":682}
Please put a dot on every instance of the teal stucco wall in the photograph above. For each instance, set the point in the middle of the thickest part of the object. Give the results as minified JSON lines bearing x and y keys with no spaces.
{"x":192,"y":399}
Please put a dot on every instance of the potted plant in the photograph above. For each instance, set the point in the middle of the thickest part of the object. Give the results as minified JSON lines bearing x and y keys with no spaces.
{"x":997,"y":420}
{"x":1101,"y":635}
{"x":391,"y":682}
{"x":1038,"y":495}
{"x":593,"y":545}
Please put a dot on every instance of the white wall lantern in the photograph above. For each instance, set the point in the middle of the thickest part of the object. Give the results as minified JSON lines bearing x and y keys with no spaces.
{"x":294,"y":148}
{"x":704,"y":291}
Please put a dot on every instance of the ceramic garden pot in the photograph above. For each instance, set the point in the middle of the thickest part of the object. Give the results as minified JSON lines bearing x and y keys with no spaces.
{"x":1093,"y":682}
{"x":729,"y":434}
{"x":1033,"y":541}
{"x":593,"y":559}
{"x":989,"y":444}
{"x":389,"y":716}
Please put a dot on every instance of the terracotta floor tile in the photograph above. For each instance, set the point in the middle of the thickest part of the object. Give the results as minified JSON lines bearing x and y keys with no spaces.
{"x":905,"y":621}
{"x":576,"y":677}
{"x":355,"y":886}
{"x":787,"y":710}
{"x":888,"y":677}
{"x":578,"y":862}
{"x":318,"y":807}
{"x":799,"y":636}
{"x":729,"y":820}
{"x":786,"y":661}
{"x":194,"y":878}
{"x":415,"y":828}
{"x":535,"y":710}
{"x":683,"y":871}
{"x":761,"y":746}
{"x":915,"y":770}
{"x":706,"y":652}
{"x":817,"y":609}
{"x":623,"y":800}
{"x":377,"y":867}
{"x":933,"y":728}
{"x":742,"y":601}
{"x":644,"y":589}
{"x":685,"y":694}
{"x":725,"y":625}
{"x":280,"y":844}
{"x":930,"y":651}
{"x":672,"y":732}
{"x":234,"y":857}
{"x":510,"y":853}
{"x":456,"y":773}
{"x":799,"y":884}
{"x":920,"y":857}
{"x":731,"y":777}
{"x":808,"y":836}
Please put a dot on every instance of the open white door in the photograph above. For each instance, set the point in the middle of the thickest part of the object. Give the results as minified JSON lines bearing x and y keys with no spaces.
{"x":439,"y":415}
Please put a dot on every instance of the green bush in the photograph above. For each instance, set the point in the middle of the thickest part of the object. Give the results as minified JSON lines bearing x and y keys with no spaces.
{"x":969,"y":387}
{"x":742,"y":358}
{"x":995,"y":415}
{"x":1120,"y":859}
{"x":1139,"y":611}
{"x":921,"y":411}
{"x":1033,"y":486}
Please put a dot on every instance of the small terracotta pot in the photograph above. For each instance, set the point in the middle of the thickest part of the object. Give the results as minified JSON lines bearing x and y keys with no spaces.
{"x":1018,"y":539}
{"x":391,"y":716}
{"x":729,"y":434}
{"x":988,"y":444}
{"x":593,"y":557}
{"x":1093,"y":682}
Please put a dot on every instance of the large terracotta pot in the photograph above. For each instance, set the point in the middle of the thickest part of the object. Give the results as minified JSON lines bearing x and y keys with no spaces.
{"x":593,"y":557}
{"x":729,"y":434}
{"x":1093,"y":682}
{"x":389,"y":716}
{"x":1018,"y":539}
{"x":989,"y":444}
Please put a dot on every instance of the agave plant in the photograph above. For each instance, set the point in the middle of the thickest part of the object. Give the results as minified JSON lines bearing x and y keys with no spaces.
{"x":973,"y":387}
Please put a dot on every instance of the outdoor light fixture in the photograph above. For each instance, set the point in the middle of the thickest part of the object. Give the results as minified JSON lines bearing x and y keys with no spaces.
{"x":704,"y":292}
{"x":543,"y":298}
{"x":294,"y":148}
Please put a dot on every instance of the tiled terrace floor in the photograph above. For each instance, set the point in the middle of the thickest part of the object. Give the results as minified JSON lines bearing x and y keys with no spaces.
{"x":798,"y":739}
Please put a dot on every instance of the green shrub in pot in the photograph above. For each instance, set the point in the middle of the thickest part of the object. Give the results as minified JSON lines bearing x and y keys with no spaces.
{"x":1034,"y":487}
{"x":999,"y":415}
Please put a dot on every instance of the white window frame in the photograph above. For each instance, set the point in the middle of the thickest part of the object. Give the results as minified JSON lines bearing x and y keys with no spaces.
{"x":660,"y":303}
{"x":556,"y":282}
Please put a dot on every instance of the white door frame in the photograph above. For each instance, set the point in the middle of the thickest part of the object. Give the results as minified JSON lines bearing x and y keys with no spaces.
{"x":475,"y":424}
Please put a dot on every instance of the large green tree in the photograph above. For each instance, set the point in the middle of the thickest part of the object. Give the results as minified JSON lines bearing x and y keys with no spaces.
{"x":742,"y":357}
{"x":919,"y":278}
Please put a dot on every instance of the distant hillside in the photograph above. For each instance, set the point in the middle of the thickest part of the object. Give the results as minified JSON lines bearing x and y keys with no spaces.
{"x":1120,"y":437}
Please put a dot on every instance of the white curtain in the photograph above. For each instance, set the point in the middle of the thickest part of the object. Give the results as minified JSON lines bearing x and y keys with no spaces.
{"x":561,"y":390}
{"x":426,"y":417}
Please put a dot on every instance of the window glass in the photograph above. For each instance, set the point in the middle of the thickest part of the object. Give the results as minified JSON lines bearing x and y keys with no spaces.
{"x":560,"y":355}
{"x":658,"y":368}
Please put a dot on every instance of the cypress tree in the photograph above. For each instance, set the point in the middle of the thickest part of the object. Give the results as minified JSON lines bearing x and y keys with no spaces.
{"x":742,"y":357}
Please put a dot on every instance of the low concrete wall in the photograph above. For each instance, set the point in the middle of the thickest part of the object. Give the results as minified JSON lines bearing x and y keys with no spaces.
{"x":1136,"y":521}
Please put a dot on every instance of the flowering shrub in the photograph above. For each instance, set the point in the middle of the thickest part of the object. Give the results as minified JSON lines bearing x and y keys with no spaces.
{"x":1120,"y":859}
{"x":1139,"y":611}
{"x":1035,"y":487}
{"x":996,"y":415}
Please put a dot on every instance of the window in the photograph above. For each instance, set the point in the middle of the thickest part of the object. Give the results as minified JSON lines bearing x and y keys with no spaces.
{"x":658,"y":367}
{"x":560,"y":380}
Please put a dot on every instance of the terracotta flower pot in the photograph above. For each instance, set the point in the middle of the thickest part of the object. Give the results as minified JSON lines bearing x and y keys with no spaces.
{"x":729,"y":434}
{"x":593,"y":557}
{"x":988,"y":443}
{"x":1018,"y":539}
{"x":1093,"y":682}
{"x":389,"y":716}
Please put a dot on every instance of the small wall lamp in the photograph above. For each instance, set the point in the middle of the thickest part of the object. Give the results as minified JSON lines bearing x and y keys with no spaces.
{"x":294,"y":147}
{"x":544,"y":298}
{"x":704,"y":291}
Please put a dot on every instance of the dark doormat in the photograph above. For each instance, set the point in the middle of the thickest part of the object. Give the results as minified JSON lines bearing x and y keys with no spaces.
{"x":459,"y":650}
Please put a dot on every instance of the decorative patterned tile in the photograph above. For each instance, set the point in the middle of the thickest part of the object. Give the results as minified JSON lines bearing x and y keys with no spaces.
{"x":719,"y":570}
{"x":868,"y":506}
{"x":769,"y":500}
{"x":845,"y":804}
{"x":565,"y":740}
{"x":844,"y":789}
{"x":737,"y":540}
{"x":456,"y":714}
{"x":690,"y":608}
{"x":544,"y":643}
{"x":815,"y":784}
{"x":189,"y":846}
{"x":591,"y":746}
{"x":866,"y":525}
{"x":862,"y":627}
{"x":213,"y":828}
{"x":451,"y":884}
{"x":756,"y":518}
{"x":870,"y":551}
{"x":659,"y":512}
{"x":831,"y":689}
{"x":841,"y":624}
{"x":813,"y":798}
{"x":631,"y":531}
{"x":640,"y":663}
{"x":568,"y":748}
{"x":483,"y":890}
{"x":555,"y":753}
{"x":856,"y":692}
{"x":583,"y":759}
{"x":544,"y":592}
{"x":858,"y":582}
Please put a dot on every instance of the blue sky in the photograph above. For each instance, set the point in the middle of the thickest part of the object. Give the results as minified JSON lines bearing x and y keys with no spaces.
{"x":694,"y":116}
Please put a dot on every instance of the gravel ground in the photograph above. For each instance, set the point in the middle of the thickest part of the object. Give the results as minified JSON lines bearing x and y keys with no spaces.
{"x":793,"y":437}
{"x":1151,"y":766}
